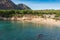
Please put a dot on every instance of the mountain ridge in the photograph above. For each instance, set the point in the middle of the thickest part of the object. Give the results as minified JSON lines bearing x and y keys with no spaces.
{"x":9,"y":5}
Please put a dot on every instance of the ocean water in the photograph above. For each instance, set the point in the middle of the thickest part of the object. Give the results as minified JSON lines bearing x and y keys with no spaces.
{"x":16,"y":30}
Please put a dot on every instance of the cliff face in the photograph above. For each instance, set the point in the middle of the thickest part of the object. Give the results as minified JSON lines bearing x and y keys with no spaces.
{"x":8,"y":4}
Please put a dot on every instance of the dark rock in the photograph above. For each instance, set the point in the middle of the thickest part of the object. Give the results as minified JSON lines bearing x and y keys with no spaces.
{"x":40,"y":37}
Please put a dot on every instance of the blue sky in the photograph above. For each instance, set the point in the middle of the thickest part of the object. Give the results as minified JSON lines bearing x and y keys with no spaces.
{"x":40,"y":4}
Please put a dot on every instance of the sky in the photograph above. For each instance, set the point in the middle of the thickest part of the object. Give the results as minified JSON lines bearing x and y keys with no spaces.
{"x":40,"y":4}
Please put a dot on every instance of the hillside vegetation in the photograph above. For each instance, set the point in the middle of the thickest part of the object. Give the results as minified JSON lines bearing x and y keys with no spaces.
{"x":21,"y":13}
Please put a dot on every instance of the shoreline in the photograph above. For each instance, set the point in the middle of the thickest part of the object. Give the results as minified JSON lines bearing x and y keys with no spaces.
{"x":46,"y":21}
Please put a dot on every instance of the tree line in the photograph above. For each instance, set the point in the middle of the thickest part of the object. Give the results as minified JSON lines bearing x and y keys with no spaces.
{"x":10,"y":13}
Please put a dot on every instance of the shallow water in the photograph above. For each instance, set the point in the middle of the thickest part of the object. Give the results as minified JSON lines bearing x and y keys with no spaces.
{"x":16,"y":30}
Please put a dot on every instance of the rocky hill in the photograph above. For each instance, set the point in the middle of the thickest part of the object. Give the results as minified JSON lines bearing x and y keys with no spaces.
{"x":23,"y":6}
{"x":9,"y":5}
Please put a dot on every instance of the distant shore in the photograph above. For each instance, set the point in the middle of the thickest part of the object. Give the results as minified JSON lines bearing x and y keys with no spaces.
{"x":47,"y":21}
{"x":48,"y":17}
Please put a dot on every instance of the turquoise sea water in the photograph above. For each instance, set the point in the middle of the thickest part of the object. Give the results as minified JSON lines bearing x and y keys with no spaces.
{"x":16,"y":30}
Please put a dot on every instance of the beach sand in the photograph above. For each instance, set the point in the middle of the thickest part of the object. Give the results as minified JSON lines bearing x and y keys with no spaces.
{"x":46,"y":21}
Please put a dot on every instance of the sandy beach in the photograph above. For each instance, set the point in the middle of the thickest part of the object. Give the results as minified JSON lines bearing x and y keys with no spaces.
{"x":47,"y":21}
